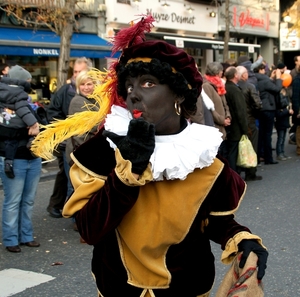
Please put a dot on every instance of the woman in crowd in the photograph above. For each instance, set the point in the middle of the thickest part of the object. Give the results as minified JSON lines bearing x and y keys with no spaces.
{"x":149,"y":189}
{"x":20,"y":191}
{"x":215,"y":89}
{"x":82,"y":101}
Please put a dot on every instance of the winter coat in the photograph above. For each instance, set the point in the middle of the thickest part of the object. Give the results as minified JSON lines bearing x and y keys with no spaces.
{"x":59,"y":104}
{"x":221,"y":111}
{"x":252,"y":98}
{"x":268,"y":90}
{"x":237,"y":106}
{"x":15,"y":98}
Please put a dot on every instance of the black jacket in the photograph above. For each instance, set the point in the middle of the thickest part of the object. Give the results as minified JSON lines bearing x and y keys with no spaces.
{"x":238,"y":110}
{"x":59,"y":104}
{"x":252,"y":98}
{"x":268,"y":90}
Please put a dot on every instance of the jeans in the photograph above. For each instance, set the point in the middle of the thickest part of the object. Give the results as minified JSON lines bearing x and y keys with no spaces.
{"x":281,"y":135}
{"x":19,"y":195}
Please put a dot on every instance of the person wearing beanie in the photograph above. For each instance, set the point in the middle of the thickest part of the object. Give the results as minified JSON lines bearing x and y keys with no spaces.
{"x":150,"y":190}
{"x":245,"y":61}
{"x":16,"y":112}
{"x":19,"y":169}
{"x":18,"y":72}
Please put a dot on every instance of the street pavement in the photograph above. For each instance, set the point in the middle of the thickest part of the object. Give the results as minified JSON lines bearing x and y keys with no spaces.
{"x":270,"y":209}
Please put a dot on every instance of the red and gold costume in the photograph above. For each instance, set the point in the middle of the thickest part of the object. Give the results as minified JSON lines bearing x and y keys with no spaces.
{"x":151,"y":236}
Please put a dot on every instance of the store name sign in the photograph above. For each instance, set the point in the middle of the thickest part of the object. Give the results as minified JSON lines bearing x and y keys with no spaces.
{"x":172,"y":17}
{"x":45,"y":52}
{"x":217,"y":46}
{"x":245,"y":19}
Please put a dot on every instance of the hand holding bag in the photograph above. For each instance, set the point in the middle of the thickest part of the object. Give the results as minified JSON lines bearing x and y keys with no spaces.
{"x":246,"y":154}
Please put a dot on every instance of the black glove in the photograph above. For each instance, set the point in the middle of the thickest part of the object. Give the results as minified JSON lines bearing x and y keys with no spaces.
{"x":246,"y":246}
{"x":138,"y":145}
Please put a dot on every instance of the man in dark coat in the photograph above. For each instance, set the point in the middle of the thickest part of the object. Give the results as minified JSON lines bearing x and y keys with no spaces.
{"x":238,"y":110}
{"x":254,"y":105}
{"x":269,"y":88}
{"x":58,"y":110}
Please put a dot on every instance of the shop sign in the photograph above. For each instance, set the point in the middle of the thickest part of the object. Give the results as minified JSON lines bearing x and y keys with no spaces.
{"x":245,"y":19}
{"x":251,"y":21}
{"x":45,"y":52}
{"x":178,"y":16}
{"x":289,"y":41}
{"x":179,"y":43}
{"x":217,"y":46}
{"x":172,"y":17}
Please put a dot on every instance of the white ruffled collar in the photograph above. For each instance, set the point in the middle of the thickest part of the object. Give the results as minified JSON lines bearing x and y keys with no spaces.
{"x":174,"y":156}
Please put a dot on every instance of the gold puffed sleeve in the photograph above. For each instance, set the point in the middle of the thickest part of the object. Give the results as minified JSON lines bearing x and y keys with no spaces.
{"x":124,"y":173}
{"x":231,"y":248}
{"x":85,"y":183}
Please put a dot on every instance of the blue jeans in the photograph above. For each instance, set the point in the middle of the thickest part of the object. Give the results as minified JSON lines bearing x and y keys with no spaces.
{"x":19,"y":195}
{"x":281,"y":135}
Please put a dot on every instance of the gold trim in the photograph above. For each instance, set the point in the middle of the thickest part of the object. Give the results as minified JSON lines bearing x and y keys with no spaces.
{"x":148,"y":60}
{"x":83,"y":168}
{"x":139,"y":59}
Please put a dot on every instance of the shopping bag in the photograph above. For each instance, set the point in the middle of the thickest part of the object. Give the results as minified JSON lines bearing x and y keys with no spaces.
{"x":246,"y":154}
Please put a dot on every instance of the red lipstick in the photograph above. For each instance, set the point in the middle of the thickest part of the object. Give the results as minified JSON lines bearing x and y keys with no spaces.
{"x":137,"y":113}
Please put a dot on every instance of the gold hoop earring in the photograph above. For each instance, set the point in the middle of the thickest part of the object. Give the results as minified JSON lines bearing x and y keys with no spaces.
{"x":177,"y":108}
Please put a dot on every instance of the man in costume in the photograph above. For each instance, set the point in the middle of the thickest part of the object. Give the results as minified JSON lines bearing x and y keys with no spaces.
{"x":155,"y":192}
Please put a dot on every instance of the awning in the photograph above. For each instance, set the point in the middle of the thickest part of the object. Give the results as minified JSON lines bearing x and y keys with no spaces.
{"x":27,"y":42}
{"x":211,"y":44}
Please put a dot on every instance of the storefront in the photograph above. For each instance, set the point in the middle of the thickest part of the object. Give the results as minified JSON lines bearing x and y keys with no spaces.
{"x":38,"y":52}
{"x":178,"y":19}
{"x":197,"y":28}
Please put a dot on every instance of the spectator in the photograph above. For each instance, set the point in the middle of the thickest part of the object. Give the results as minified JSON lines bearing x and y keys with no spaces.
{"x":245,"y":61}
{"x":268,"y":89}
{"x":82,"y":101}
{"x":254,"y":105}
{"x":214,"y":95}
{"x":58,"y":109}
{"x":282,"y":122}
{"x":16,"y":115}
{"x":238,"y":110}
{"x":20,"y":191}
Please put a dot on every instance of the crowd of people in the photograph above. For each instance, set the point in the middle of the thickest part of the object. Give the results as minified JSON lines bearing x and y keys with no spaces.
{"x":167,"y":127}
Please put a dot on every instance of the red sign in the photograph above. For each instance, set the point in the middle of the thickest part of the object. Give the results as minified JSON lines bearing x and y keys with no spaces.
{"x":245,"y":19}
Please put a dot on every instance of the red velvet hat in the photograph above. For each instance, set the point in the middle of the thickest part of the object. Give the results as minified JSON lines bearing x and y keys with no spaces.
{"x":165,"y":52}
{"x":135,"y":48}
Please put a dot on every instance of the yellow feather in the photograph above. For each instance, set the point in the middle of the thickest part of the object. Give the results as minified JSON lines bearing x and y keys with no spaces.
{"x":79,"y":123}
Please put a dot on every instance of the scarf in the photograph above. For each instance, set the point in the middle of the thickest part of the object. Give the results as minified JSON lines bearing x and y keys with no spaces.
{"x":217,"y":82}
